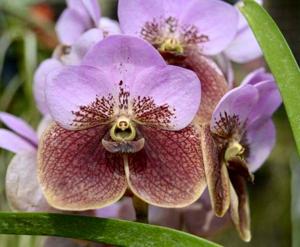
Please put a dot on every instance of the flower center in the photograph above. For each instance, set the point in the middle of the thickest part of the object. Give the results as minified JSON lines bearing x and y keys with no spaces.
{"x":234,"y":149}
{"x":172,"y":45}
{"x":123,"y":130}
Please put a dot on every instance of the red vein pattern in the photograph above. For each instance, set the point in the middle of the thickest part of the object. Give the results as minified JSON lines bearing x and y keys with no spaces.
{"x":169,"y":171}
{"x":76,"y":172}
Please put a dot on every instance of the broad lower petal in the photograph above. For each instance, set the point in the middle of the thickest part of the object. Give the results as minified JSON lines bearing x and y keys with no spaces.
{"x":215,"y":19}
{"x":70,"y":25}
{"x":261,"y":138}
{"x":15,"y":143}
{"x":169,"y":171}
{"x":239,"y":207}
{"x":79,"y":97}
{"x":19,"y":126}
{"x":166,"y":97}
{"x":76,"y":173}
{"x":216,"y":173}
{"x":39,"y":82}
{"x":22,"y":188}
{"x":213,"y":83}
{"x":237,"y":102}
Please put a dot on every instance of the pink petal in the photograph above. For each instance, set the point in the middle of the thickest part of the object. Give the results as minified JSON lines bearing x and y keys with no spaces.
{"x":70,"y":25}
{"x":239,"y":101}
{"x":82,"y":45}
{"x":169,"y":171}
{"x":213,"y":18}
{"x":19,"y":126}
{"x":261,"y":137}
{"x":75,"y":87}
{"x":175,"y":88}
{"x":75,"y":171}
{"x":122,"y":209}
{"x":93,"y":9}
{"x":109,"y":26}
{"x":125,"y":55}
{"x":14,"y":143}
{"x":39,"y":85}
{"x":22,"y":188}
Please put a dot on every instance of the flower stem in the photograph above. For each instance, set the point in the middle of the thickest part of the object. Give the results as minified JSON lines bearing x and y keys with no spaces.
{"x":141,"y":209}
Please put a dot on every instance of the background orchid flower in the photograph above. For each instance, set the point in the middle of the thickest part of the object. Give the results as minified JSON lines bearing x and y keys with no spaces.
{"x":244,"y":48}
{"x":81,"y":16}
{"x":124,"y":100}
{"x":173,"y":26}
{"x":62,"y":56}
{"x":239,"y":139}
{"x":22,"y":189}
{"x":186,"y":33}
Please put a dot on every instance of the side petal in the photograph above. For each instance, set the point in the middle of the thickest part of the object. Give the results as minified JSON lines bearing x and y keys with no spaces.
{"x":269,"y":100}
{"x":109,"y":26}
{"x":76,"y":173}
{"x":14,"y":143}
{"x":216,"y":174}
{"x":39,"y":82}
{"x":257,"y":76}
{"x":169,"y":171}
{"x":70,"y":25}
{"x":239,"y":209}
{"x":176,"y":95}
{"x":237,"y":102}
{"x":82,"y":45}
{"x":79,"y":97}
{"x":215,"y":19}
{"x":261,"y":137}
{"x":93,"y":9}
{"x":19,"y":126}
{"x":22,"y":188}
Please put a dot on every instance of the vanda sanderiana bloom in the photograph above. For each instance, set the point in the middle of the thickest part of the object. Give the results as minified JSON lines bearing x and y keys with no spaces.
{"x":123,"y":119}
{"x":187,"y":34}
{"x":238,"y":140}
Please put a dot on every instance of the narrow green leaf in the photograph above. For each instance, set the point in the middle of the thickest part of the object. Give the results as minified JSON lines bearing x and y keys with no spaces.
{"x":295,"y":185}
{"x":279,"y":58}
{"x":108,"y":231}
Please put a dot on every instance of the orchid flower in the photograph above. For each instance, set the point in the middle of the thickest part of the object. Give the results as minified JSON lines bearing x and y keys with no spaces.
{"x":81,"y":16}
{"x":123,"y":119}
{"x":22,"y":189}
{"x":187,"y":34}
{"x":238,"y":140}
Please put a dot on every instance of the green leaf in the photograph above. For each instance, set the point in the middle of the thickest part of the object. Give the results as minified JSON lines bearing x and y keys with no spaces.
{"x":108,"y":231}
{"x":295,"y":210}
{"x":279,"y":58}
